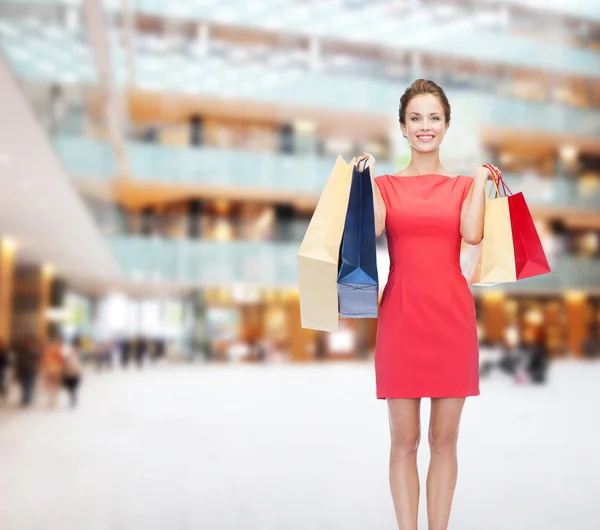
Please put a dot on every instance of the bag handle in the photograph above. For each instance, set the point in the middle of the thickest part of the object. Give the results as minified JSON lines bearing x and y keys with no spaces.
{"x":359,"y":162}
{"x":494,"y":181}
{"x":497,"y":179}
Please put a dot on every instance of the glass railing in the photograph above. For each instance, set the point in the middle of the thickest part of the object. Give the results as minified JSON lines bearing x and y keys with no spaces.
{"x":366,"y":88}
{"x":205,"y":262}
{"x":568,"y":272}
{"x":42,"y":50}
{"x":586,"y":9}
{"x":86,"y":158}
{"x":472,"y":35}
{"x":225,"y":263}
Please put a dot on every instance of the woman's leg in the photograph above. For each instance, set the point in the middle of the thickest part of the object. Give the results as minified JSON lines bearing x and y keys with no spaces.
{"x":52,"y":388}
{"x":443,"y":467}
{"x":405,"y":433}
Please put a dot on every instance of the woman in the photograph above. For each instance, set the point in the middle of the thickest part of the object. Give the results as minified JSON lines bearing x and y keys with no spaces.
{"x":3,"y":367}
{"x":72,"y":373}
{"x":52,"y":368}
{"x":427,"y":342}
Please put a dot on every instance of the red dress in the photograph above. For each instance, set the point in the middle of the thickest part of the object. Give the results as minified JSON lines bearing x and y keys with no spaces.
{"x":427,"y":344}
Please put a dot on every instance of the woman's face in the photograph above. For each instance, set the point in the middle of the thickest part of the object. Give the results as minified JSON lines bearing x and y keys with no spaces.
{"x":425,"y":123}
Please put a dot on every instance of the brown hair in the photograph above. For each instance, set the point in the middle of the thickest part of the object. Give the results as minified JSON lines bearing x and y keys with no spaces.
{"x":419,"y":87}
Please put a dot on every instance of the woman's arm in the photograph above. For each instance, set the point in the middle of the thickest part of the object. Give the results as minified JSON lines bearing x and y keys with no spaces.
{"x":473,"y":208}
{"x":378,"y":203}
{"x":379,"y":209}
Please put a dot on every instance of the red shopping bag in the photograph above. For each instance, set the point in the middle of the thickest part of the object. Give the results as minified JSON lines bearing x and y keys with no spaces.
{"x":530,"y":258}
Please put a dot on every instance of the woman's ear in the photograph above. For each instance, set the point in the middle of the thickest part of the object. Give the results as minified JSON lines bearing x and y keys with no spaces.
{"x":403,"y":129}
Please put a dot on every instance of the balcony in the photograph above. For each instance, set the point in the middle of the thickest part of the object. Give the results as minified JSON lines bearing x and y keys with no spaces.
{"x":50,"y":53}
{"x":448,"y":30}
{"x":90,"y":159}
{"x":207,"y":263}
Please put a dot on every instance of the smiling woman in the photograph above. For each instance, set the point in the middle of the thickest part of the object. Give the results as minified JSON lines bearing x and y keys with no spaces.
{"x":427,"y":343}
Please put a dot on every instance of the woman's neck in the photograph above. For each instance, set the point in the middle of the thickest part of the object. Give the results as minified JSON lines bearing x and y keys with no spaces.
{"x":425,"y":163}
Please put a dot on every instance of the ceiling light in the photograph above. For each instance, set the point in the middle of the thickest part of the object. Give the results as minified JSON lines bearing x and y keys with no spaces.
{"x":48,"y":269}
{"x":568,"y":153}
{"x":9,"y":244}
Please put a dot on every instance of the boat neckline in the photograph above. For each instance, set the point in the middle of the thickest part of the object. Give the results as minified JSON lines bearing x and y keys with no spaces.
{"x":423,"y":175}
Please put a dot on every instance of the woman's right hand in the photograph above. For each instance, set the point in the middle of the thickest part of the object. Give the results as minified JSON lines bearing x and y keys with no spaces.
{"x":370,"y":160}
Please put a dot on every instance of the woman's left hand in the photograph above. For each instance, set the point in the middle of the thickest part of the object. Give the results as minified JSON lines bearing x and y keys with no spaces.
{"x":487,"y":173}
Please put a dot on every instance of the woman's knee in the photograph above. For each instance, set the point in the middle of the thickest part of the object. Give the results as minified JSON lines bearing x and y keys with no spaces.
{"x":443,"y":442}
{"x":405,"y":426}
{"x":404,"y":443}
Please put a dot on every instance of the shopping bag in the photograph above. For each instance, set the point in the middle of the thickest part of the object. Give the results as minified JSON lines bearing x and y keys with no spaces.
{"x":319,"y":253}
{"x":511,"y":248}
{"x":358,"y":283}
{"x":530,"y":258}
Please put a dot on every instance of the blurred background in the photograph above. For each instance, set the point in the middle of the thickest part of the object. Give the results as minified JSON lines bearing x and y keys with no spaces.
{"x":160,"y":163}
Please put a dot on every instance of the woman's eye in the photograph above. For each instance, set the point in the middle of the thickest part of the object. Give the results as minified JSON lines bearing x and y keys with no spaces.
{"x":437,"y":118}
{"x":415,"y":119}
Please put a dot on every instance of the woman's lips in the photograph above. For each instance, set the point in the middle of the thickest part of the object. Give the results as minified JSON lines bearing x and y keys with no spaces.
{"x":425,"y":138}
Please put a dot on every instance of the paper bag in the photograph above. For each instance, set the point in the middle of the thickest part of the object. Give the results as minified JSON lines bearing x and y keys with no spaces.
{"x":318,"y":256}
{"x":511,"y":248}
{"x":358,"y":283}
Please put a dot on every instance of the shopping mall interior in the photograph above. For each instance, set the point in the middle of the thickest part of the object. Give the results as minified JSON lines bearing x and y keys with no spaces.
{"x":161,"y":161}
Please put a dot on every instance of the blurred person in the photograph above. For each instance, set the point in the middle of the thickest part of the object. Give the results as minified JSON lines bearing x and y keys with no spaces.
{"x":102,"y":354}
{"x":126,"y":352}
{"x":159,"y":348}
{"x":86,"y":347}
{"x":321,"y":346}
{"x":71,"y":376}
{"x":591,"y":344}
{"x":27,"y":366}
{"x":115,"y":352}
{"x":427,"y":343}
{"x":52,"y":368}
{"x":490,"y":354}
{"x":4,"y":354}
{"x":140,"y":350}
{"x":538,"y":359}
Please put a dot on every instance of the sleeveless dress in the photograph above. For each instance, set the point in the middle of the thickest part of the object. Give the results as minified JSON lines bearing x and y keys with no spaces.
{"x":427,"y":343}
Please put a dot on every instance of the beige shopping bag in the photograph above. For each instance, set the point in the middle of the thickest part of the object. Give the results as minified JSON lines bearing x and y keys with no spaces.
{"x":492,"y":261}
{"x":318,"y":256}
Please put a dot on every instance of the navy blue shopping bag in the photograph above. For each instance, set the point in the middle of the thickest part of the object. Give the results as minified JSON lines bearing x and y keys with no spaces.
{"x":358,"y":282}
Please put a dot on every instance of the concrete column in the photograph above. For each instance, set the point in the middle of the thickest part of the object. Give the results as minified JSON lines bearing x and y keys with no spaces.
{"x":314,"y":54}
{"x":46,"y":277}
{"x":203,"y":38}
{"x":416,"y":66}
{"x":7,"y":265}
{"x":577,"y":321}
{"x":302,"y":342}
{"x":31,"y":300}
{"x":199,"y":343}
{"x":305,"y":137}
{"x":493,"y":309}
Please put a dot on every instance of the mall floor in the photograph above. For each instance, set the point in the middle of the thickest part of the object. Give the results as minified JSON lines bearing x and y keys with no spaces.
{"x":289,"y":448}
